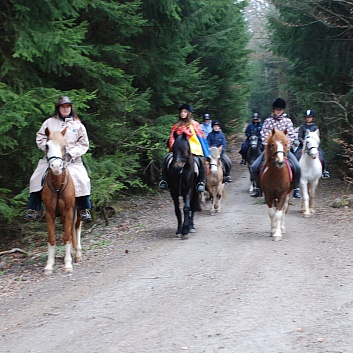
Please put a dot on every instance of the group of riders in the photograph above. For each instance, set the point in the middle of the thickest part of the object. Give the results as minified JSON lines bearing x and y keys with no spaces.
{"x":210,"y":132}
{"x":200,"y":137}
{"x":278,"y":119}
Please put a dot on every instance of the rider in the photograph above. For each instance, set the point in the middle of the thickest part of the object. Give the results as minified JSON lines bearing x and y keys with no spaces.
{"x":78,"y":143}
{"x":217,"y":138}
{"x":253,"y":128}
{"x":278,"y":120}
{"x":311,"y":126}
{"x":206,"y":125}
{"x":186,"y":124}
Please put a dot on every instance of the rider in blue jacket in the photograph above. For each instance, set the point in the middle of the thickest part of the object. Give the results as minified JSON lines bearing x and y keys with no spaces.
{"x":254,"y":128}
{"x":217,"y":138}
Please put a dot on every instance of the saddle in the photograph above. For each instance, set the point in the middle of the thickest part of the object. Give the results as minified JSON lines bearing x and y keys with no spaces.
{"x":288,"y":165}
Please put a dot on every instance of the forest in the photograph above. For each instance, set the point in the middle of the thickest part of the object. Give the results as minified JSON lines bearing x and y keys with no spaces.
{"x":128,"y":64}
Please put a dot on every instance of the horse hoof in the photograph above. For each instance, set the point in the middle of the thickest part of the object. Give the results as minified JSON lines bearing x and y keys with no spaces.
{"x":48,"y":272}
{"x":277,"y":237}
{"x":184,"y":236}
{"x":192,"y":230}
{"x":68,"y":269}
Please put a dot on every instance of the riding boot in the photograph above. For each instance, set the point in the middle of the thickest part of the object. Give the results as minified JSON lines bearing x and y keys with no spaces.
{"x":296,"y":175}
{"x":84,"y":204}
{"x":325,"y":173}
{"x":202,"y":177}
{"x":227,"y":166}
{"x":163,"y":185}
{"x":34,"y":206}
{"x":254,"y":173}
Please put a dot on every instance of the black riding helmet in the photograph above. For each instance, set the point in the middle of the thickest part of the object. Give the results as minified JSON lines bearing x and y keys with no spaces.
{"x":279,"y":103}
{"x":215,"y":122}
{"x":186,"y":106}
{"x":309,"y":112}
{"x":206,"y":116}
{"x":256,"y":117}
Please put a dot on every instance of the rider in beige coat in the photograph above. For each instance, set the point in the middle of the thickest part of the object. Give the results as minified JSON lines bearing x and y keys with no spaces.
{"x":78,"y":144}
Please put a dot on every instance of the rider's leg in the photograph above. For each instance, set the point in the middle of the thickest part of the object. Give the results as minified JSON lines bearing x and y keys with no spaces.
{"x":243,"y":150}
{"x":163,"y":185}
{"x":254,"y":173}
{"x":34,"y":206}
{"x":296,"y":174}
{"x":227,"y":166}
{"x":202,"y":177}
{"x":84,"y":205}
{"x":325,"y":173}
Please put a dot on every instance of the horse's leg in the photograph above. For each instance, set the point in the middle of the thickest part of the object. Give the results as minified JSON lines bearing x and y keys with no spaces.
{"x":213,"y":200}
{"x":76,"y":234}
{"x":192,"y":225}
{"x":68,"y":228}
{"x":186,"y":209}
{"x":177,"y":213}
{"x":48,"y":269}
{"x":285,"y":209}
{"x":305,"y":198}
{"x":278,"y":220}
{"x":271,"y":213}
{"x":312,"y":190}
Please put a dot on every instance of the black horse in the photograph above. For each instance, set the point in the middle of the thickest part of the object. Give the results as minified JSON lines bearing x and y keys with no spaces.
{"x":182,"y":181}
{"x":253,"y":151}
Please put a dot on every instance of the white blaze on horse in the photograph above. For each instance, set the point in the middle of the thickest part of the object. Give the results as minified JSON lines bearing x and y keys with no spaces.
{"x":214,"y":179}
{"x":311,"y":171}
{"x":58,"y":195}
{"x":275,"y":181}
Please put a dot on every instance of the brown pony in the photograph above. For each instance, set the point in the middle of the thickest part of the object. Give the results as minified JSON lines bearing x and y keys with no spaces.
{"x":275,"y":180}
{"x":214,"y":179}
{"x":58,"y":195}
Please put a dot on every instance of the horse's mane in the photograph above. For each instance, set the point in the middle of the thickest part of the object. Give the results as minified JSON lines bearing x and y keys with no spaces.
{"x":276,"y":135}
{"x":58,"y":138}
{"x":181,"y":142}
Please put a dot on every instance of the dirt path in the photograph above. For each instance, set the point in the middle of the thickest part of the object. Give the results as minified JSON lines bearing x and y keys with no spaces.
{"x":228,"y":288}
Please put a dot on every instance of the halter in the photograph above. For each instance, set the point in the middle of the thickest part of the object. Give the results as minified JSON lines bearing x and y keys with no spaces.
{"x":309,"y":150}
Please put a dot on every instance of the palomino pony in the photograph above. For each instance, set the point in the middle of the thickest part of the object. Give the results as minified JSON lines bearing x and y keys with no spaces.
{"x":181,"y":179}
{"x":214,"y":179}
{"x":253,"y":151}
{"x":311,"y":169}
{"x":58,"y":195}
{"x":275,"y":180}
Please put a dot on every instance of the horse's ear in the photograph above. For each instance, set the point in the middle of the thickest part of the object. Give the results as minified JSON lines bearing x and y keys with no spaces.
{"x":47,"y":132}
{"x":285,"y":131}
{"x":63,"y":132}
{"x":273,"y":131}
{"x":307,"y":132}
{"x":175,"y":135}
{"x":317,"y":132}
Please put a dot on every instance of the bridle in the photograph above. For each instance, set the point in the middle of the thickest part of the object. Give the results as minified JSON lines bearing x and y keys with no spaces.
{"x":309,"y":150}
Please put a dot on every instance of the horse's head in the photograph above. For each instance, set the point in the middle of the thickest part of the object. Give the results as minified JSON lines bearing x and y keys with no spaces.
{"x":181,"y":150}
{"x":311,"y":143}
{"x":277,"y":145}
{"x":253,"y":141}
{"x":215,"y":154}
{"x":56,"y":150}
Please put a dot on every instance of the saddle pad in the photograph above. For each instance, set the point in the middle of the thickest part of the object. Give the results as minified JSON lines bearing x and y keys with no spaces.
{"x":288,"y":166}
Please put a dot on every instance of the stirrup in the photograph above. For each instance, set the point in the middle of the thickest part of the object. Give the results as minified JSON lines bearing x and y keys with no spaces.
{"x":163,"y":185}
{"x":296,"y":194}
{"x":227,"y":179}
{"x":31,"y":215}
{"x":200,"y":187}
{"x":325,"y":175}
{"x":85,"y":215}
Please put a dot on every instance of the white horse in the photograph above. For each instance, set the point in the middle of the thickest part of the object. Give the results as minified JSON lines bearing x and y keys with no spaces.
{"x":311,"y":169}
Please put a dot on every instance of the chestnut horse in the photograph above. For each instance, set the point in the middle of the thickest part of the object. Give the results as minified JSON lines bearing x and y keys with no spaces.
{"x":311,"y":171}
{"x":275,"y":180}
{"x":214,"y":179}
{"x":181,"y":179}
{"x":58,"y":195}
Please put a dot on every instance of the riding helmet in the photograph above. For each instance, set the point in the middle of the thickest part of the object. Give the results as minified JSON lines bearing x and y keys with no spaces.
{"x":63,"y":100}
{"x":309,"y":112}
{"x":187,"y":107}
{"x":215,"y":122}
{"x":206,"y":116}
{"x":279,"y":103}
{"x":256,"y":117}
